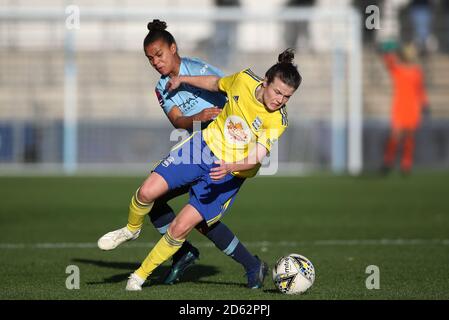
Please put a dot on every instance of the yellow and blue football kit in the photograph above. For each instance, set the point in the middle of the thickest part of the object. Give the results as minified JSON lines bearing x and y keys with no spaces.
{"x":242,"y":124}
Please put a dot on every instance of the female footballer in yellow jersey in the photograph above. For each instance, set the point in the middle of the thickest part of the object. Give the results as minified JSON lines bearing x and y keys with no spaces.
{"x":215,"y":161}
{"x":182,"y":107}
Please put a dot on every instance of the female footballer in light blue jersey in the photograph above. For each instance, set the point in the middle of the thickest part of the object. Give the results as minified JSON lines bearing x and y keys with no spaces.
{"x":182,"y":107}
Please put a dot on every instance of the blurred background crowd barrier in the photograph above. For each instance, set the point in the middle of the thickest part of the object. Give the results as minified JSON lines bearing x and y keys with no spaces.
{"x":80,"y":98}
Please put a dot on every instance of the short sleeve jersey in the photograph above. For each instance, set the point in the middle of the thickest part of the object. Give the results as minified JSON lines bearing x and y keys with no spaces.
{"x":190,"y":100}
{"x":244,"y":121}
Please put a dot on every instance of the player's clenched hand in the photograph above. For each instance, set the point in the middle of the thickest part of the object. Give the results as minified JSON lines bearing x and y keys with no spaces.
{"x":208,"y":114}
{"x":218,"y":173}
{"x":173,"y":83}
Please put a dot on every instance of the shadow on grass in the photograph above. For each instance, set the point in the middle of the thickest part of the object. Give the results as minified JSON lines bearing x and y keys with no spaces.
{"x":109,"y":264}
{"x":272,"y":291}
{"x":195,"y":273}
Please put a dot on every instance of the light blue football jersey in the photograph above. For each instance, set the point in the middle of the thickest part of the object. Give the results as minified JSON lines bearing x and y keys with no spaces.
{"x":190,"y":100}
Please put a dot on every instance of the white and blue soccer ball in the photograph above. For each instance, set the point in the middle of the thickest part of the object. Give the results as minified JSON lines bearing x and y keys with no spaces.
{"x":293,"y":274}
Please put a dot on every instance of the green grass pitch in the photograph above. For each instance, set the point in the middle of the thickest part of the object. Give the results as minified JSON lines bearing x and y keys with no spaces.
{"x":342,"y":224}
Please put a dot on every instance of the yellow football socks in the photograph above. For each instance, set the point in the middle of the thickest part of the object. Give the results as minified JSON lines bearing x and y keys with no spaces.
{"x":162,"y":251}
{"x":137,"y":212}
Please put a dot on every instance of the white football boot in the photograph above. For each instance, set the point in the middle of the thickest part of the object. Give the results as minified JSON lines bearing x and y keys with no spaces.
{"x":113,"y":239}
{"x":134,"y":283}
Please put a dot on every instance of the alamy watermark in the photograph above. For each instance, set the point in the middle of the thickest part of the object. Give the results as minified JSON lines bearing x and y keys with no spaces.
{"x":373,"y":280}
{"x":73,"y":280}
{"x":230,"y":148}
{"x":72,"y":21}
{"x":372,"y":21}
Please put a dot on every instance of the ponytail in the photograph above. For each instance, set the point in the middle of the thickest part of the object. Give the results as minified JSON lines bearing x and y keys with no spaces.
{"x":285,"y":70}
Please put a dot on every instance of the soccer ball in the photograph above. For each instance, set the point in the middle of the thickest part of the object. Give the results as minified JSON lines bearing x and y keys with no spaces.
{"x":293,"y":274}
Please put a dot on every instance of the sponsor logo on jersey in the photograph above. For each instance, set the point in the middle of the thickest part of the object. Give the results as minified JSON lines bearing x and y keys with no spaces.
{"x":191,"y":101}
{"x":237,"y":131}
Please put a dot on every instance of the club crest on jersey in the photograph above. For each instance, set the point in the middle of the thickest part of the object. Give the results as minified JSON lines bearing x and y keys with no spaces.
{"x":204,"y":69}
{"x":237,"y":131}
{"x":257,"y":123}
{"x":236,"y":98}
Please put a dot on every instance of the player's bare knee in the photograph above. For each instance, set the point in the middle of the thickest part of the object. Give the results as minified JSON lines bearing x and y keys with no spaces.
{"x":145,"y":194}
{"x":178,"y":230}
{"x":174,"y":229}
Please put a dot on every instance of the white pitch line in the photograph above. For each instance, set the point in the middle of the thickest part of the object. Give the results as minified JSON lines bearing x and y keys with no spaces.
{"x":259,"y":244}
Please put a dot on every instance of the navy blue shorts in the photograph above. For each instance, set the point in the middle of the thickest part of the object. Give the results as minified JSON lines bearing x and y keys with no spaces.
{"x":189,"y":163}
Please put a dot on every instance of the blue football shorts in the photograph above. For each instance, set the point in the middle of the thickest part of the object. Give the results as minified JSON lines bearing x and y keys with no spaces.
{"x":189,"y":163}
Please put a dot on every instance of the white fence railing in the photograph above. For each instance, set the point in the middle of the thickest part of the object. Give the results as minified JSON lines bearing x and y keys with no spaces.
{"x":335,"y":81}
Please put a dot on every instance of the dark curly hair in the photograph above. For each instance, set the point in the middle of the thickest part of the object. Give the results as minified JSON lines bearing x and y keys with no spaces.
{"x":156,"y":31}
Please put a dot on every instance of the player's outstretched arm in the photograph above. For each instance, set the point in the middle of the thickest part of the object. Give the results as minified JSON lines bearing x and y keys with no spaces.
{"x":209,"y":83}
{"x":180,"y":121}
{"x":254,"y":159}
